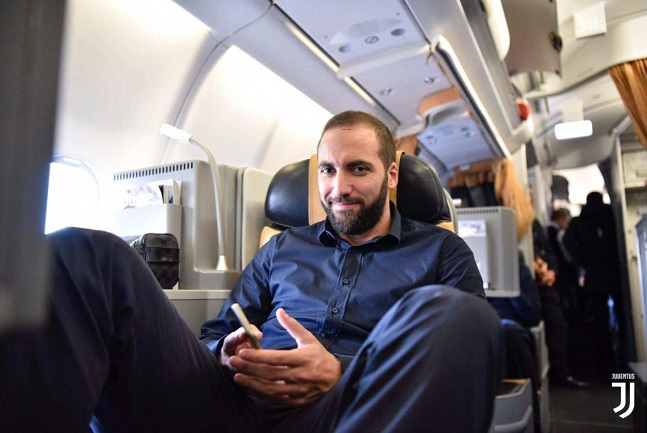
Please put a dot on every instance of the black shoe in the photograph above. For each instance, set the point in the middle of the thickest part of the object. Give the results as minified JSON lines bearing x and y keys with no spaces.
{"x":570,"y":382}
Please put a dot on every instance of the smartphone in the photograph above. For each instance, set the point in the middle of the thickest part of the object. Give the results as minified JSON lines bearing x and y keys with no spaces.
{"x":246,"y":326}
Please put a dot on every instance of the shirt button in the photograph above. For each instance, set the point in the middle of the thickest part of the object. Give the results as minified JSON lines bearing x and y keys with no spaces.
{"x":335,"y":310}
{"x":345,"y":281}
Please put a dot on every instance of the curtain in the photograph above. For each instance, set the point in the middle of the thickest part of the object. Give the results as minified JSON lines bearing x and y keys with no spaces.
{"x":631,"y":80}
{"x":493,"y":182}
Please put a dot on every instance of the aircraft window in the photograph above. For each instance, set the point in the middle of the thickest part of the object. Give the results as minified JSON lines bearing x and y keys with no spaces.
{"x":73,"y":195}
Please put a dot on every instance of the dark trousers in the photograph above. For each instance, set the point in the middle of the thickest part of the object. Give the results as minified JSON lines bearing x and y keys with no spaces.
{"x":556,"y":333}
{"x":116,"y":348}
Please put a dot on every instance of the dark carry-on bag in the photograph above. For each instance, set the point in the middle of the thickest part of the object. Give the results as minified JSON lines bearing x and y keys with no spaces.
{"x":162,"y":254}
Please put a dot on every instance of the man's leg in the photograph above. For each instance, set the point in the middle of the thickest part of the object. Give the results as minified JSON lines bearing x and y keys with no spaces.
{"x":433,"y":363}
{"x":114,"y":346}
{"x":556,"y":334}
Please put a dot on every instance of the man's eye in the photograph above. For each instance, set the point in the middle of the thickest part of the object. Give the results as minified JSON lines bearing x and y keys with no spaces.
{"x":325,"y":170}
{"x":360,"y":169}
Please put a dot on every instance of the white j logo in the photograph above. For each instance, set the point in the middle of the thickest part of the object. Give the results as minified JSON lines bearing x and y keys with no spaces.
{"x":623,"y":400}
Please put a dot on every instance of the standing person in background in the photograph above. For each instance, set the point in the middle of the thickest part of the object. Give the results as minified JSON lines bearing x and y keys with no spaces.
{"x":567,"y":285}
{"x":567,"y":271}
{"x":556,"y":326}
{"x":592,"y":242}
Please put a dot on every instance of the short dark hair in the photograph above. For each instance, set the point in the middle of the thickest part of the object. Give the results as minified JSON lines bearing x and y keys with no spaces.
{"x":385,"y":139}
{"x":594,"y":198}
{"x":562,"y":212}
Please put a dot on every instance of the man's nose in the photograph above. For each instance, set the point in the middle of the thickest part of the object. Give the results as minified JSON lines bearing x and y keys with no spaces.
{"x":342,"y":184}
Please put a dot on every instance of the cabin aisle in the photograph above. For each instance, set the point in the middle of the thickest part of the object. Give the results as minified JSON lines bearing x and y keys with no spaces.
{"x":587,"y":410}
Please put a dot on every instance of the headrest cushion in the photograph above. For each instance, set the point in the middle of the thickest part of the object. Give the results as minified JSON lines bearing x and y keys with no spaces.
{"x":420,"y":195}
{"x":286,"y":203}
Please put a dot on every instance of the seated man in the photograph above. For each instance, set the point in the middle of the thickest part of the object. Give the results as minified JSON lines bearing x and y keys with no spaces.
{"x":369,"y":322}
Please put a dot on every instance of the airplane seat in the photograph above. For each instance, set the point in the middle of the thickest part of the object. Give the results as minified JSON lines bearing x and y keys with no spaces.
{"x":293,"y":201}
{"x":451,"y":225}
{"x":513,"y":408}
{"x":293,"y":195}
{"x":541,"y":352}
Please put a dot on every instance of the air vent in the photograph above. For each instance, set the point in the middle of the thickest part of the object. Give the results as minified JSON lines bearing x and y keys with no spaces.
{"x":170,"y":168}
{"x":365,"y":29}
{"x":478,"y":211}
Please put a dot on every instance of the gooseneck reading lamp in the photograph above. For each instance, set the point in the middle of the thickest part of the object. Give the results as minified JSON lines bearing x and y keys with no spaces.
{"x":185,"y":137}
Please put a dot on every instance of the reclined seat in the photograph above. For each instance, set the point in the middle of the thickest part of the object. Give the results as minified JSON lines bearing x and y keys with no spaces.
{"x":293,"y":201}
{"x":293,"y":195}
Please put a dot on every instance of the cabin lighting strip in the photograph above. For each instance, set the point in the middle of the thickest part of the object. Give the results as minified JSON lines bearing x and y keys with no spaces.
{"x":577,"y":129}
{"x":317,"y":51}
{"x":382,"y":60}
{"x":305,"y":40}
{"x":443,"y":52}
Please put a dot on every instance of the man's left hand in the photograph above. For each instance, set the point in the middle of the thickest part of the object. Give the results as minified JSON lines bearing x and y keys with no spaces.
{"x":296,"y":376}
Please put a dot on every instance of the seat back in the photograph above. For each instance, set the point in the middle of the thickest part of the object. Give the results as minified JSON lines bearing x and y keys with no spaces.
{"x":513,"y":408}
{"x":293,"y":196}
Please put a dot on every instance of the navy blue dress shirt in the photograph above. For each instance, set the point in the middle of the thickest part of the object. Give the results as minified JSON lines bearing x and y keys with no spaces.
{"x":339,"y":291}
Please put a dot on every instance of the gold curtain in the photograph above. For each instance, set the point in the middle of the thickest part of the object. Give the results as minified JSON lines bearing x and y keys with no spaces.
{"x":631,"y":80}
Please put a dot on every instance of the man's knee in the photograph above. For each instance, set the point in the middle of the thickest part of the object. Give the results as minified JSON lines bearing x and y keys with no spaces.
{"x":84,"y":242}
{"x":437,"y":300}
{"x":441,"y":314}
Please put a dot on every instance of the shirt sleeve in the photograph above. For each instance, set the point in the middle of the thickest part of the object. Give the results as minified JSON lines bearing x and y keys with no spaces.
{"x":457,"y":267}
{"x":251,"y":291}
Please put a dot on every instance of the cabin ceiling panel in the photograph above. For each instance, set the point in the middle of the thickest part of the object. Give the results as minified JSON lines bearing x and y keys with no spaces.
{"x":400,"y":86}
{"x":586,"y":57}
{"x":352,"y":30}
{"x":601,"y":104}
{"x":573,"y":155}
{"x":456,"y":22}
{"x":533,"y":29}
{"x":593,"y":93}
{"x":267,"y":38}
{"x":221,"y":17}
{"x":457,"y":141}
{"x":588,"y":150}
{"x":382,"y":45}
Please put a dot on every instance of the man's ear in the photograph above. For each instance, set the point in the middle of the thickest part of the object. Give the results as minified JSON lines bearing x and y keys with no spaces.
{"x":393,"y":175}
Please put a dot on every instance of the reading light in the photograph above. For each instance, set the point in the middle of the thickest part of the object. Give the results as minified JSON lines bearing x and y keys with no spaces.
{"x":185,"y":137}
{"x":577,"y":129}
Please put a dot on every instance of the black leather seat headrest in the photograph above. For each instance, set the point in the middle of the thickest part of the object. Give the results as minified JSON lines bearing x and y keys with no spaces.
{"x":420,"y":195}
{"x":286,"y":202}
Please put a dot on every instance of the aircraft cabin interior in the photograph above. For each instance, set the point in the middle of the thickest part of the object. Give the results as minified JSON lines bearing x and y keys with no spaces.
{"x":181,"y":116}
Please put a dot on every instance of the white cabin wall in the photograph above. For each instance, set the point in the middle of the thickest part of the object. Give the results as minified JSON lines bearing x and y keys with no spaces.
{"x":630,"y":204}
{"x":248,"y":116}
{"x":130,"y":65}
{"x":125,"y":69}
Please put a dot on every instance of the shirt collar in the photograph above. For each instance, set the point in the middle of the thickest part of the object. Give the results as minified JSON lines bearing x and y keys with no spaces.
{"x":328,"y":236}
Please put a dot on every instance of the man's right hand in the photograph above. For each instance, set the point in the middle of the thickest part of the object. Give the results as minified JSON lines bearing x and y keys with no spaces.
{"x":234,"y":343}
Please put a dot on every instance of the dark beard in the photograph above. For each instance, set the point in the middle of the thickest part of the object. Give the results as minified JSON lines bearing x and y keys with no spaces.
{"x":350,"y":223}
